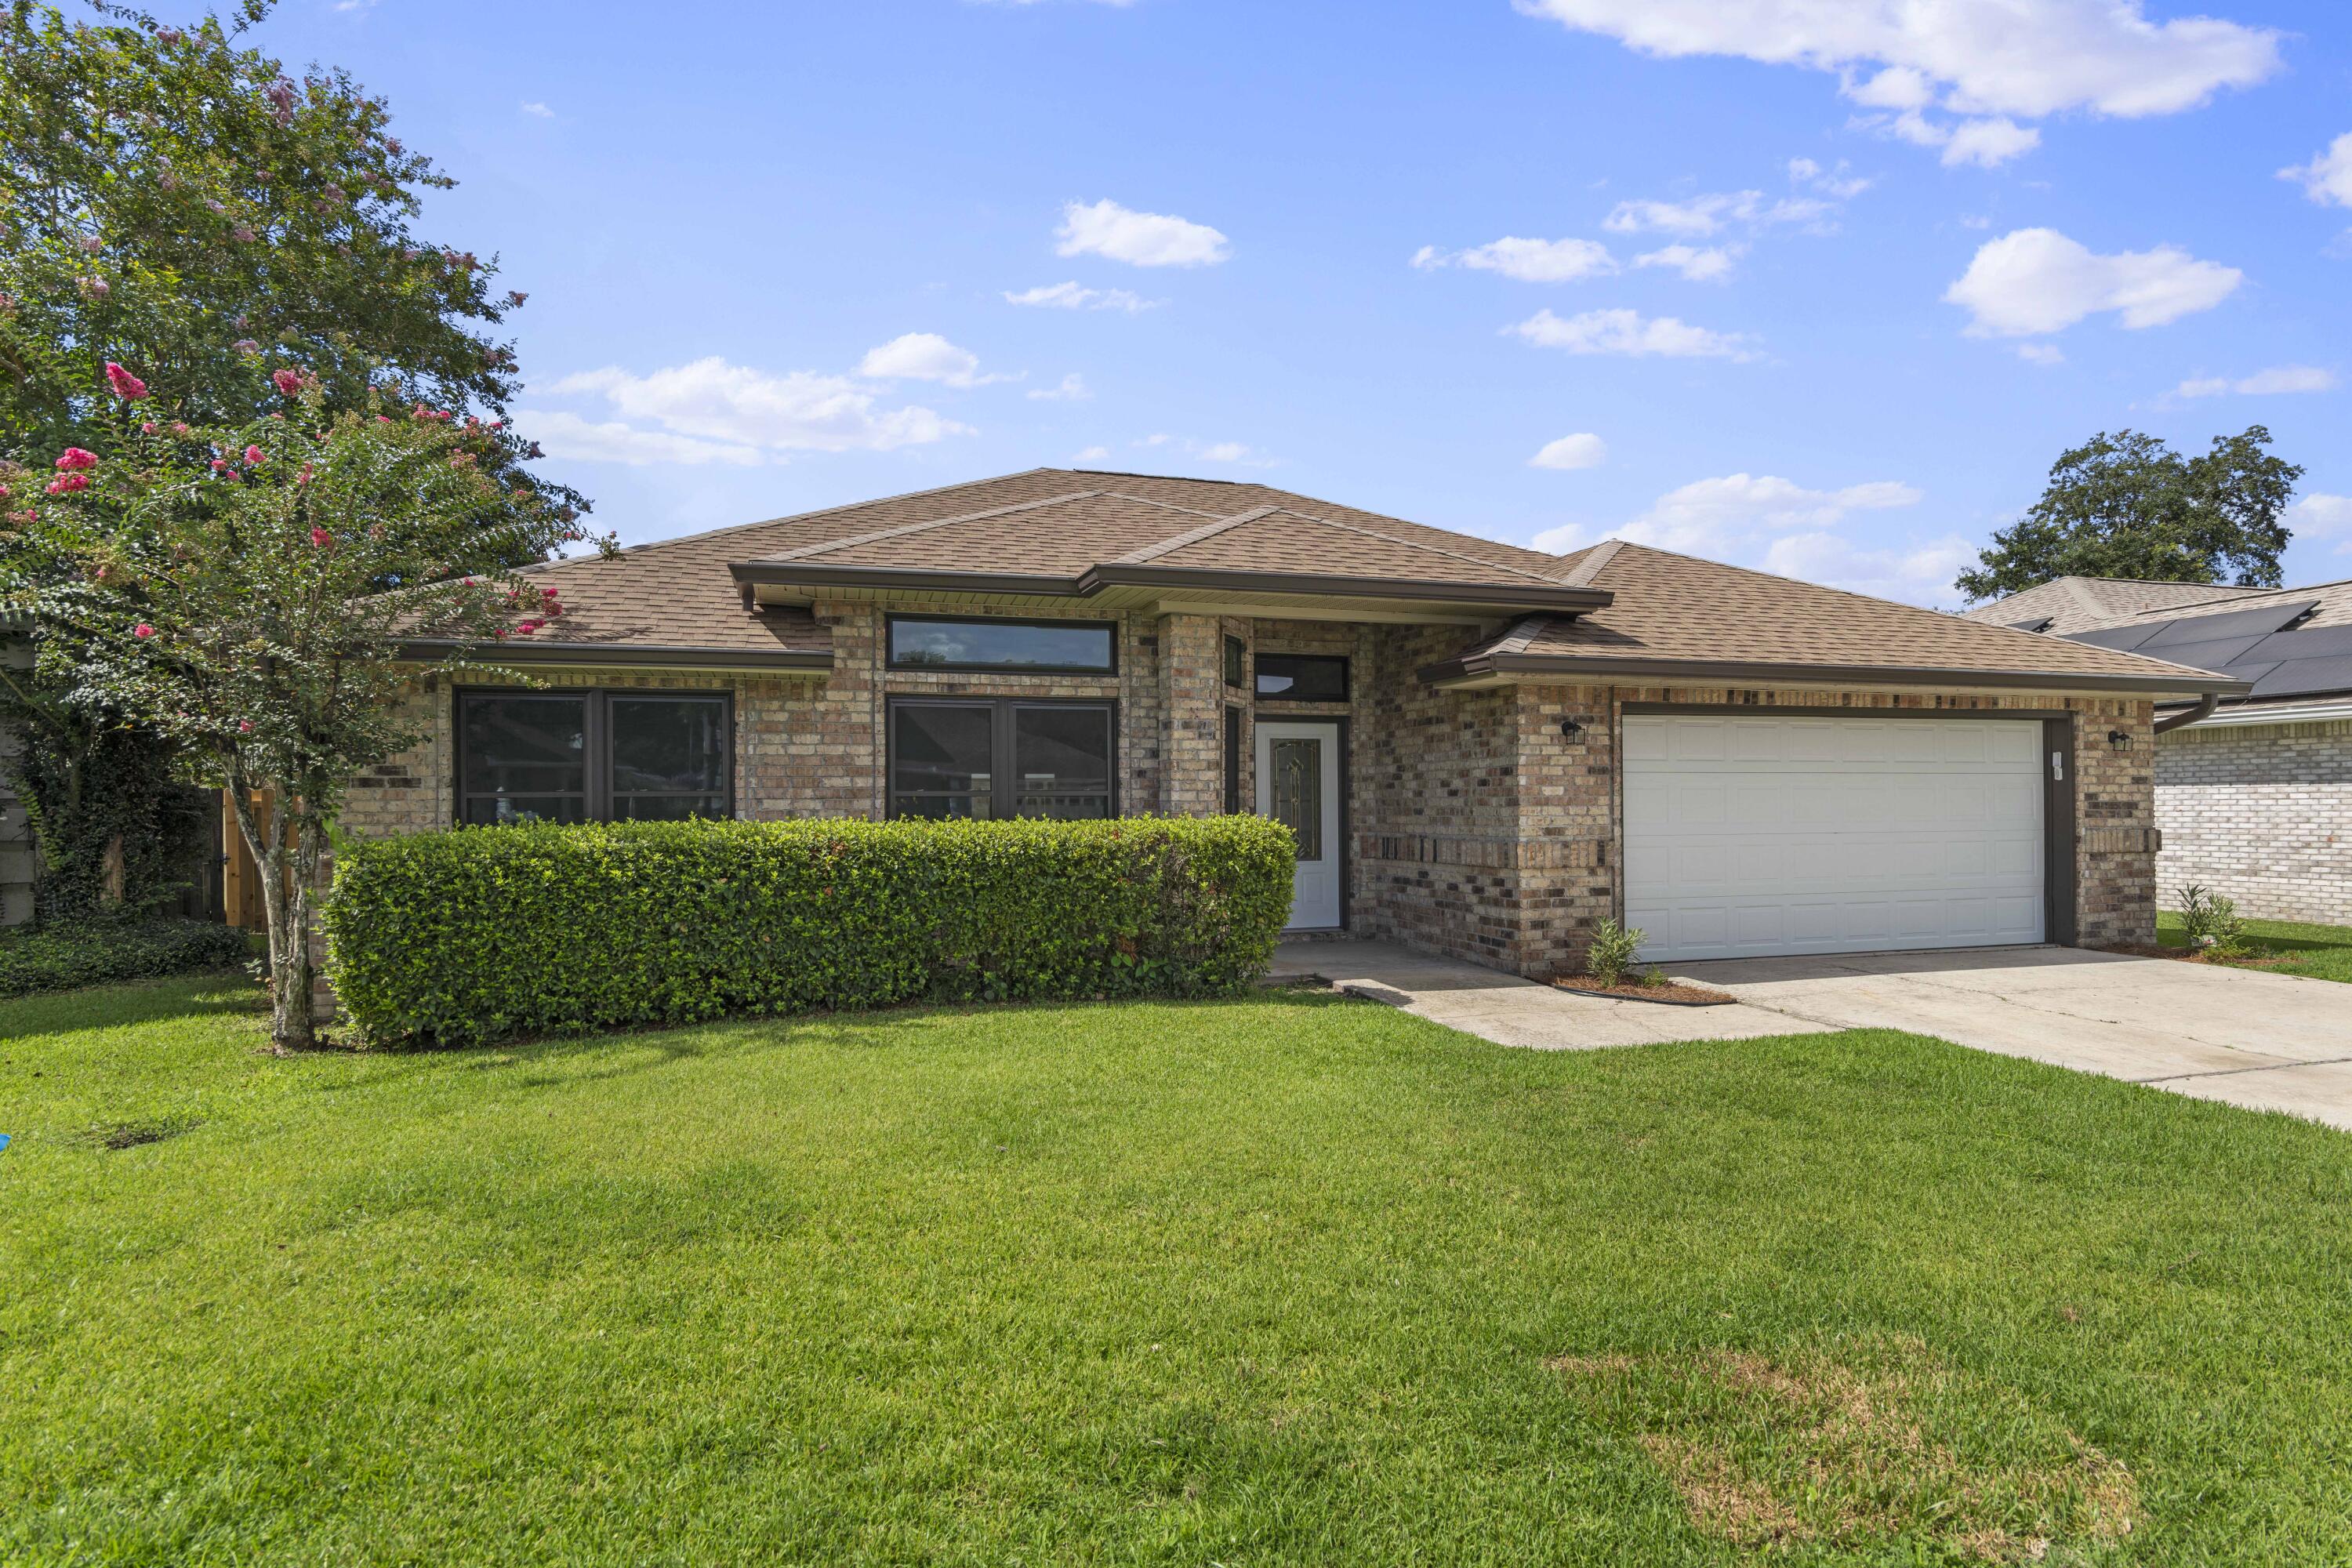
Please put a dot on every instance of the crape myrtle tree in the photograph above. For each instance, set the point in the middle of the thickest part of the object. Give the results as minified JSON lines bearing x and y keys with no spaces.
{"x":174,"y":200}
{"x":2128,"y":505}
{"x":248,"y":593}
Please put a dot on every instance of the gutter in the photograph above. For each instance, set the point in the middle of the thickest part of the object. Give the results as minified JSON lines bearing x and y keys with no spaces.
{"x":1558,"y":598}
{"x":1716,"y":672}
{"x":2313,"y":714}
{"x":2181,"y":720}
{"x":657,"y":657}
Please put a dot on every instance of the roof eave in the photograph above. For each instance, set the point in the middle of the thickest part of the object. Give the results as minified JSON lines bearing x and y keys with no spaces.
{"x":1503,"y":597}
{"x":1484,"y":667}
{"x":605,"y":655}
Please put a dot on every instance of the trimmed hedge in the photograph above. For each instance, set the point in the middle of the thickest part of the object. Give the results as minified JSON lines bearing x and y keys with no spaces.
{"x":68,"y":955}
{"x":477,"y":933}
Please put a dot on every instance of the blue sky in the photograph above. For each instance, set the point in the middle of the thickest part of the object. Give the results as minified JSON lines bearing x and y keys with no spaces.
{"x":1819,"y":289}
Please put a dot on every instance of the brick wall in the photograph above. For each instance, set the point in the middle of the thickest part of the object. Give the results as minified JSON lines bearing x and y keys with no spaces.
{"x":2261,"y":813}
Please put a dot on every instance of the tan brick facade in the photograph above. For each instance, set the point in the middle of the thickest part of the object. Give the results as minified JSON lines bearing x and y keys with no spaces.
{"x":2261,"y":813}
{"x":1474,"y":825}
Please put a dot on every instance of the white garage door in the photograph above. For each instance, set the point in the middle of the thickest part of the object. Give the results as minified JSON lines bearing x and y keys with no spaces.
{"x":1747,"y":836}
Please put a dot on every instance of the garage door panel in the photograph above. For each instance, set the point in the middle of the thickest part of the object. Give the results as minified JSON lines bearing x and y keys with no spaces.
{"x":1751,"y":835}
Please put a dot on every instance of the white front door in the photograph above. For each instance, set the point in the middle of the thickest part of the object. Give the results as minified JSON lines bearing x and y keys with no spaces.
{"x":1298,"y":785}
{"x":1749,"y":836}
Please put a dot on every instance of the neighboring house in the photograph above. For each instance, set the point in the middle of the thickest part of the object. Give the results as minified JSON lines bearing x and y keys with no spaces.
{"x":2255,"y":799}
{"x":1483,"y":750}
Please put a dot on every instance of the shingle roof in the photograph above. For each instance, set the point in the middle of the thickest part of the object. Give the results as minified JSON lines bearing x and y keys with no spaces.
{"x":2066,"y":605}
{"x":2287,"y":642}
{"x":1673,"y":612}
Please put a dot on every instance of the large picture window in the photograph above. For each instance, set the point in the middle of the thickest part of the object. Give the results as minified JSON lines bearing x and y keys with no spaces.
{"x":994,"y":759}
{"x":1060,"y":647}
{"x":593,"y":756}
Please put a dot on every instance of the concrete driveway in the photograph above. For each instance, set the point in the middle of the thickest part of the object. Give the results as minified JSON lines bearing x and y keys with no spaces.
{"x":2273,"y":1042}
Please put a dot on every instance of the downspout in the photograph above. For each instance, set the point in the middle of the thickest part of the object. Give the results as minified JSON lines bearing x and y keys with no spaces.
{"x":2198,"y":714}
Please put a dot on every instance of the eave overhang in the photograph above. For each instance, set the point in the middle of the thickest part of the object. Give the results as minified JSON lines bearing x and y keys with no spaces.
{"x":783,"y":581}
{"x":1508,"y":668}
{"x":623,"y":656}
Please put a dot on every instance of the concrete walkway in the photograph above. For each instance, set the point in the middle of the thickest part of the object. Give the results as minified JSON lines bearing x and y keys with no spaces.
{"x":1506,"y":1009}
{"x":2272,"y":1042}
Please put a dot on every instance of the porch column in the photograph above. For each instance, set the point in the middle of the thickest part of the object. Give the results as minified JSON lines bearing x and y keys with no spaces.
{"x":1192,"y":716}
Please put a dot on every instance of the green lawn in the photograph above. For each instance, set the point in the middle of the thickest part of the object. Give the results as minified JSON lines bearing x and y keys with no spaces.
{"x":1289,"y":1279}
{"x":2324,"y":952}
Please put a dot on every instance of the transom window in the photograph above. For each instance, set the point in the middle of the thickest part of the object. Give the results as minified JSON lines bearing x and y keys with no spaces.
{"x":593,"y":756}
{"x":1010,"y":758}
{"x":1061,"y":648}
{"x":1303,"y":677}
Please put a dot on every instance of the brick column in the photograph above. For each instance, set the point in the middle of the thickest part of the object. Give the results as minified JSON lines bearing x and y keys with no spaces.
{"x":1192,"y":716}
{"x":2114,"y":825}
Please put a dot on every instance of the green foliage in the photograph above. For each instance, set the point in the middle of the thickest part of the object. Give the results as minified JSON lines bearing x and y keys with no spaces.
{"x":116,"y":832}
{"x":2211,"y":922}
{"x":1610,"y":957}
{"x":2129,"y":506}
{"x":473,"y":934}
{"x":67,"y":954}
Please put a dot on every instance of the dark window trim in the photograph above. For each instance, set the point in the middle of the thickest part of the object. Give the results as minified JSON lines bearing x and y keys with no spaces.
{"x":2059,"y":922}
{"x":1346,"y":677}
{"x":597,"y":806}
{"x":1235,"y":738}
{"x":891,"y":661}
{"x":999,"y":737}
{"x":1236,"y":663}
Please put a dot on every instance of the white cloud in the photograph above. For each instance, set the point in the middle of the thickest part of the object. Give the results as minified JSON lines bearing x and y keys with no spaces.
{"x":2327,"y":178}
{"x":1913,"y":575}
{"x":712,"y":401}
{"x":539,"y":112}
{"x":2038,"y":281}
{"x":1976,"y":58}
{"x":1073,"y":389}
{"x":925,"y":356}
{"x":1698,"y":216}
{"x":563,"y":434}
{"x":1092,"y":455}
{"x":1235,"y":452}
{"x":1622,"y":331}
{"x":1229,"y":452}
{"x":2042,"y":353}
{"x":1139,"y":239}
{"x":1839,"y":184}
{"x":1529,"y":261}
{"x":2323,"y":517}
{"x":2262,"y":382}
{"x":1584,"y":450}
{"x":1711,"y":265}
{"x":1070,"y":296}
{"x":1989,"y":143}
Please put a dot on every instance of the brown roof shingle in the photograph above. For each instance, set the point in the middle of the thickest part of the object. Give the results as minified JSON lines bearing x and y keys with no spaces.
{"x":2085,"y":604}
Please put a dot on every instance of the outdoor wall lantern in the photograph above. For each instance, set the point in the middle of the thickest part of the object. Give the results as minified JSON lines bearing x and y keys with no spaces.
{"x":1570,"y":729}
{"x":2120,"y":740}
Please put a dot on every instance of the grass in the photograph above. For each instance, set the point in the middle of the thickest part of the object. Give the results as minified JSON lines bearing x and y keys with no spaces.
{"x":1284,"y":1281}
{"x":2283,"y":947}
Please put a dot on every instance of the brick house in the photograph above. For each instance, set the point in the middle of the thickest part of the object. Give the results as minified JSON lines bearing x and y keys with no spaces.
{"x":1483,"y":749}
{"x":2253,"y":797}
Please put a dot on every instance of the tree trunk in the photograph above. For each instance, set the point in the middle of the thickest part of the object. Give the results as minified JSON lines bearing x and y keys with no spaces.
{"x":285,"y":910}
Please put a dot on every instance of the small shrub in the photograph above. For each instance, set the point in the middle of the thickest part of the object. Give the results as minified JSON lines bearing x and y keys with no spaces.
{"x":2211,"y":922}
{"x":1611,"y":955}
{"x":64,"y":956}
{"x":473,"y":934}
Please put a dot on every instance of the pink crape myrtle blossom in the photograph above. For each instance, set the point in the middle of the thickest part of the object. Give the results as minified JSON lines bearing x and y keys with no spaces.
{"x":255,"y":456}
{"x":127,"y":387}
{"x":77,"y":457}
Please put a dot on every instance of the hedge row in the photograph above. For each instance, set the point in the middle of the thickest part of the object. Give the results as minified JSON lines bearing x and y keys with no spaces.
{"x":473,"y":934}
{"x":66,"y":955}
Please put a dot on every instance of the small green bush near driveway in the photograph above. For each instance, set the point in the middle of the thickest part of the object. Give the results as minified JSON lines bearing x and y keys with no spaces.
{"x":2282,"y":947}
{"x":1280,"y":1279}
{"x":475,"y":934}
{"x":90,"y":953}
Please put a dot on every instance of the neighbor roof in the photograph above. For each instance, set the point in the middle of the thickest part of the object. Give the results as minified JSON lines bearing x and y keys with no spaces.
{"x":2064,"y":605}
{"x":1052,"y":534}
{"x":2286,"y":642}
{"x":1679,"y":617}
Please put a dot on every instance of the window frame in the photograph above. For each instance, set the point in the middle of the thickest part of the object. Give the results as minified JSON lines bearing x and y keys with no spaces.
{"x":1001,"y":741}
{"x":891,"y":661}
{"x":596,"y":741}
{"x":1347,"y":678}
{"x":1236,"y":663}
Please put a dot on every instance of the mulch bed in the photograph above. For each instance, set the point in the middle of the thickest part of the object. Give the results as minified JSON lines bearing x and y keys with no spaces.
{"x":2198,"y":955}
{"x":1672,"y":993}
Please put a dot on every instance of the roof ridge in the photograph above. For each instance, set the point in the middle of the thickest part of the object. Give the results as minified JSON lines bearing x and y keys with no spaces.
{"x":1523,"y":631}
{"x":1208,"y":530}
{"x":1414,"y":544}
{"x":1163,"y":505}
{"x":1994,"y":628}
{"x":793,"y":517}
{"x":1594,"y":559}
{"x":806,"y":550}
